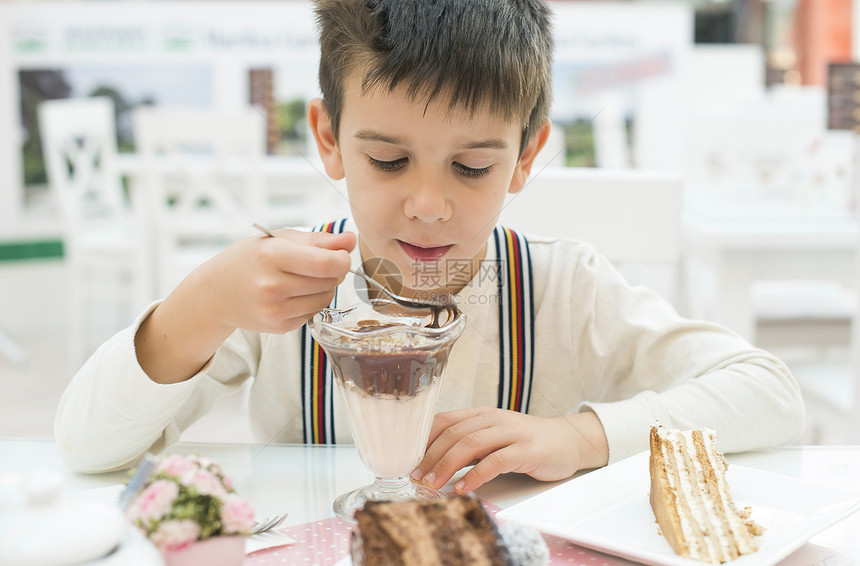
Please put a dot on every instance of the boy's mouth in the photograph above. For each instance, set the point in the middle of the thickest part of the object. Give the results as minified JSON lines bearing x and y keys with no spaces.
{"x":421,"y":253}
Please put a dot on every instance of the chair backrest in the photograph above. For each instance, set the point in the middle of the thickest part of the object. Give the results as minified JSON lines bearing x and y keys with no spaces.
{"x":202,"y":182}
{"x":79,"y":148}
{"x":631,"y":216}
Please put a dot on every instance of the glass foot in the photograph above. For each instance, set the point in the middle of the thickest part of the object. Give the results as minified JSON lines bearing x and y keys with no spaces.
{"x":383,"y":489}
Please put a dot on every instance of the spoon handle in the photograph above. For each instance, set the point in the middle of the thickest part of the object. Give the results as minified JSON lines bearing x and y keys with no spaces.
{"x":264,"y":230}
{"x":373,"y":282}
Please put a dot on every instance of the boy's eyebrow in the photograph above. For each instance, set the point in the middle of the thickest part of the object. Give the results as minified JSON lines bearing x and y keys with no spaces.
{"x":491,"y":143}
{"x":370,"y":135}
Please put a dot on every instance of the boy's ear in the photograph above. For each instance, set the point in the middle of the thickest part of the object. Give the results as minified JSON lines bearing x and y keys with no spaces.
{"x":527,"y":158}
{"x":320,"y":124}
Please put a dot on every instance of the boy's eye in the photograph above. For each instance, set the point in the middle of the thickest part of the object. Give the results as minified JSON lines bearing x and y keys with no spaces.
{"x":388,"y":165}
{"x":471,"y":172}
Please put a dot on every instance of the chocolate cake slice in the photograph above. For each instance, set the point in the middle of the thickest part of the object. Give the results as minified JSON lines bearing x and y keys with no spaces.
{"x":428,"y":533}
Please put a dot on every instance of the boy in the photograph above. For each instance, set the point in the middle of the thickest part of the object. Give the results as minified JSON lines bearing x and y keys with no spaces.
{"x":433,"y":111}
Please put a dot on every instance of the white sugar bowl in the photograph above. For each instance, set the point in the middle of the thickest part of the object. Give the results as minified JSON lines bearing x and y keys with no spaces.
{"x":40,"y":525}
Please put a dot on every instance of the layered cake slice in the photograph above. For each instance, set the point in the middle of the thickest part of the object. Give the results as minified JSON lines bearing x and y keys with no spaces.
{"x":444,"y":532}
{"x":691,"y":500}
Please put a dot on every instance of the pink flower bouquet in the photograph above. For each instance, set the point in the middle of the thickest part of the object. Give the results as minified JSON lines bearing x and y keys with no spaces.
{"x":186,"y":499}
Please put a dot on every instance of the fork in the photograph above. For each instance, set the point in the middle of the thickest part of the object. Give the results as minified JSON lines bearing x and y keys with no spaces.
{"x":268,"y":524}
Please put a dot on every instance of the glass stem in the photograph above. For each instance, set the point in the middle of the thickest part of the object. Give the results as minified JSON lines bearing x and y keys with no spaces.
{"x":391,"y":485}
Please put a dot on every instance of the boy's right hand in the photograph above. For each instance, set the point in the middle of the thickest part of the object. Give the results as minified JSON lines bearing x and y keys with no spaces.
{"x":274,"y":285}
{"x":261,"y":284}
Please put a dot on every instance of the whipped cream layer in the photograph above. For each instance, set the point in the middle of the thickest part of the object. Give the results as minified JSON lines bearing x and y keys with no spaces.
{"x":391,"y":432}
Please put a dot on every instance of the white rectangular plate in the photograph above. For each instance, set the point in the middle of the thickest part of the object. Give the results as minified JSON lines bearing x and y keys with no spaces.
{"x":608,"y":510}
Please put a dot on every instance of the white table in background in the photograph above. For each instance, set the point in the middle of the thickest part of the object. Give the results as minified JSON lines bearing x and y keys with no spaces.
{"x":734,"y":253}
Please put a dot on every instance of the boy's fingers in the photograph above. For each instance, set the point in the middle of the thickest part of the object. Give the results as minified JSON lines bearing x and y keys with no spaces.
{"x":451,"y":433}
{"x":448,"y":428}
{"x":502,"y":461}
{"x":308,"y":305}
{"x":312,"y":261}
{"x":445,"y":420}
{"x":288,"y":324}
{"x":291,"y":285}
{"x":345,"y":241}
{"x":281,"y":315}
{"x":471,"y":446}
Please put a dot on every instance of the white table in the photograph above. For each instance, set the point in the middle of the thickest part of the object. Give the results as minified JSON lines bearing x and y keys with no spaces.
{"x":734,"y":253}
{"x":304,"y":480}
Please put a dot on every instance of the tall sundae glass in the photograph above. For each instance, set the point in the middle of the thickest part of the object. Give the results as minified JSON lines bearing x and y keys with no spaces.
{"x":387,"y":362}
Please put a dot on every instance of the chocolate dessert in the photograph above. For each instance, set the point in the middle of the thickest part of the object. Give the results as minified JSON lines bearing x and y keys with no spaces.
{"x":401,"y":374}
{"x":371,"y":325}
{"x":393,"y":364}
{"x":427,"y":533}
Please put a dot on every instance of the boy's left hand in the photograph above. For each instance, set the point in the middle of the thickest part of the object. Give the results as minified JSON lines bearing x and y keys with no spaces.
{"x":498,"y":441}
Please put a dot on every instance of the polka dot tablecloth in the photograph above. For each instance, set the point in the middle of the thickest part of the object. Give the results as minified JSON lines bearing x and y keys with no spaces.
{"x":325,"y":542}
{"x":319,"y":543}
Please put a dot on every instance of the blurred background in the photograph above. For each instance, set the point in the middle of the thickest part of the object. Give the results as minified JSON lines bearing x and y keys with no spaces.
{"x":707,"y":146}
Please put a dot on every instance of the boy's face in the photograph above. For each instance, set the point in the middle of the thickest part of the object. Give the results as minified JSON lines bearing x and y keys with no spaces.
{"x":426,"y":186}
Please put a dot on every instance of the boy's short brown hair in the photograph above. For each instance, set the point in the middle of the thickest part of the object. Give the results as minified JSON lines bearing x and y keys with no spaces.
{"x":479,"y":53}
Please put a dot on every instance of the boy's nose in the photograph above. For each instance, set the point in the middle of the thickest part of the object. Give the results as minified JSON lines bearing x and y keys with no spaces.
{"x":428,"y":202}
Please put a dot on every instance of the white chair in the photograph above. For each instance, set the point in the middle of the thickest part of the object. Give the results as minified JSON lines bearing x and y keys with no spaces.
{"x":831,"y":382}
{"x":201,"y":183}
{"x":831,"y":385}
{"x":108,"y":269}
{"x":632,"y":216}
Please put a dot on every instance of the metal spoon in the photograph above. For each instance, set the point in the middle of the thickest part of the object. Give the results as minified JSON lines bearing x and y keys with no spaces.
{"x":436,"y":305}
